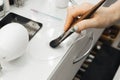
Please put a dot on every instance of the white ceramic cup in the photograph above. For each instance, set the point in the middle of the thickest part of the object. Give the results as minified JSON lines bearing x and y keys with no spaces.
{"x":13,"y":41}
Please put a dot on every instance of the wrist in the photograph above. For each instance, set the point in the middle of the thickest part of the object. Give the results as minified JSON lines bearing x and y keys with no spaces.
{"x":114,"y":14}
{"x":114,"y":11}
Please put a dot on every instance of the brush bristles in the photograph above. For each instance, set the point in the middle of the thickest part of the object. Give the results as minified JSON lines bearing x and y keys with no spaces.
{"x":54,"y":44}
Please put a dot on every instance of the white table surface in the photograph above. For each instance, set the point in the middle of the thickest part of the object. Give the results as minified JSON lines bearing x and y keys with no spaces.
{"x":117,"y":75}
{"x":40,"y":60}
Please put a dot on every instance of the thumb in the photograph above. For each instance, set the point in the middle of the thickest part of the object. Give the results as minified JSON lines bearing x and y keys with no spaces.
{"x":84,"y":24}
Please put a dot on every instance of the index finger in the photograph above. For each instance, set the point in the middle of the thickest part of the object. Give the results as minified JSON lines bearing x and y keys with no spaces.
{"x":73,"y":12}
{"x":68,"y":22}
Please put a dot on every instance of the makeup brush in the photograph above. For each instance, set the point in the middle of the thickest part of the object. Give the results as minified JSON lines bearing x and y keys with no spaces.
{"x":54,"y":43}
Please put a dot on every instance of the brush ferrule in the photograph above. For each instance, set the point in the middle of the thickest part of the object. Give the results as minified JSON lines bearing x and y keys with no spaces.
{"x":76,"y":28}
{"x":73,"y":29}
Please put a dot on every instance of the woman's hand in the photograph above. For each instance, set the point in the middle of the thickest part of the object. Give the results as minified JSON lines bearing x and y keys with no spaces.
{"x":102,"y":18}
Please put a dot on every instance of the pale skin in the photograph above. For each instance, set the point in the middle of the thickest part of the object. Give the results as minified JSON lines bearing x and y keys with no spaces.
{"x":102,"y":18}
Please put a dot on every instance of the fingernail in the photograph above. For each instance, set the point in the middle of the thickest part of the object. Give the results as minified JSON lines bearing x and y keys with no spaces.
{"x":76,"y":28}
